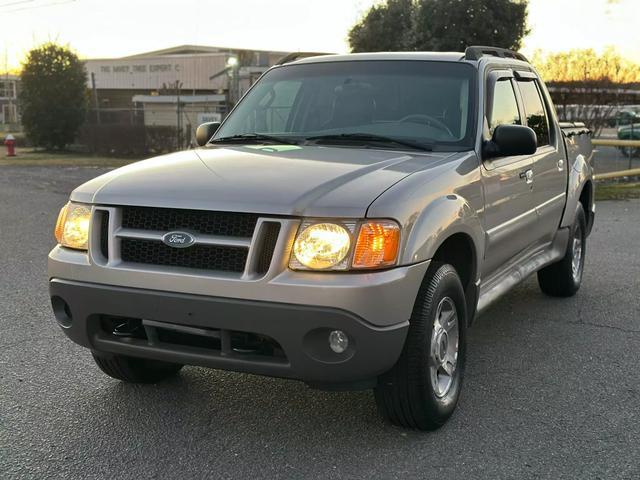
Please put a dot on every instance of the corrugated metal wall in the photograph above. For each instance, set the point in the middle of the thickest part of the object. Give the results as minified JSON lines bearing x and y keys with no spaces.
{"x":152,"y":73}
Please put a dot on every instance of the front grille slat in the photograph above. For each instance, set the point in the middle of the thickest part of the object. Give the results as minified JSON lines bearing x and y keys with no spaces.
{"x":199,"y":221}
{"x":203,"y":257}
{"x":270,"y":238}
{"x":104,"y":233}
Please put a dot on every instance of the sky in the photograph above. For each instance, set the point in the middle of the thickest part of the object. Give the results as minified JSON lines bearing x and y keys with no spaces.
{"x":115,"y":28}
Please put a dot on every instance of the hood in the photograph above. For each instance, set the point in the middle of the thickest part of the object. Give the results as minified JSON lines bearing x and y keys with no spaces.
{"x":283,"y":179}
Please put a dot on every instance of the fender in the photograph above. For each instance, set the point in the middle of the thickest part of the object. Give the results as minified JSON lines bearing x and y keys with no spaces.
{"x":580,"y":173}
{"x":444,"y":217}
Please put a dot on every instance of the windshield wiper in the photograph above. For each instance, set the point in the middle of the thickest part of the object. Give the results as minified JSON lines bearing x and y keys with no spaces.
{"x":371,"y":138}
{"x":253,"y":137}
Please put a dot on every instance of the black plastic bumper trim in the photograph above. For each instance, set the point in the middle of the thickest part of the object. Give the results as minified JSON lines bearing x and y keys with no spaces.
{"x":299,"y":329}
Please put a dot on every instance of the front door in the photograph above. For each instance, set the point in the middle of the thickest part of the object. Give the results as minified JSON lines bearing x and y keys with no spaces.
{"x":510,"y":213}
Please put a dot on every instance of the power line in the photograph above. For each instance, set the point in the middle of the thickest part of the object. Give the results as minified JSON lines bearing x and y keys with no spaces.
{"x":34,"y":7}
{"x":15,"y":3}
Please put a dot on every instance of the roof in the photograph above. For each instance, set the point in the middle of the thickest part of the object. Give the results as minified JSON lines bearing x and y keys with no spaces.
{"x":424,"y":56}
{"x":433,"y":56}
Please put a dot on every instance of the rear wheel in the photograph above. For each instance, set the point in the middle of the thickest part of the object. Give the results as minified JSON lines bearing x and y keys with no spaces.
{"x":133,"y":369}
{"x":422,"y":390}
{"x":563,"y":278}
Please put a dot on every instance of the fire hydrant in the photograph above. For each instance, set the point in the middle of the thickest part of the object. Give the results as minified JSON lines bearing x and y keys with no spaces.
{"x":10,"y":142}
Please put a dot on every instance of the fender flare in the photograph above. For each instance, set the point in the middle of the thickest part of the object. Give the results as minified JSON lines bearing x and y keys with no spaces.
{"x":444,"y":217}
{"x":580,"y":173}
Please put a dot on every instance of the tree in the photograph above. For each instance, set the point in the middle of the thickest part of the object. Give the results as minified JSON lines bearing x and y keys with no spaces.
{"x":385,"y":27}
{"x":587,"y":86}
{"x":440,"y":25}
{"x":53,"y":95}
{"x":584,"y":65}
{"x":453,"y":25}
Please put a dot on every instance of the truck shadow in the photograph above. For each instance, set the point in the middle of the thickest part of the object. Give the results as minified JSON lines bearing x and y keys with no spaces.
{"x":223,"y":414}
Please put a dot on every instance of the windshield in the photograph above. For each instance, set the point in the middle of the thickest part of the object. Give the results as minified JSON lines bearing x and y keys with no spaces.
{"x":425,"y":103}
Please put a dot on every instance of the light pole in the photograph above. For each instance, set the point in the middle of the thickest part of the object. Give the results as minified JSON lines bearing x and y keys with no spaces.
{"x":233,"y":64}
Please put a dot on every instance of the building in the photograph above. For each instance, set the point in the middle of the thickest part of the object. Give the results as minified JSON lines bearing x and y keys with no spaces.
{"x":177,"y":86}
{"x":9,"y":86}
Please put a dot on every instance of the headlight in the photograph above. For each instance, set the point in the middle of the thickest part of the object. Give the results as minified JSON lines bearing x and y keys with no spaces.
{"x":322,"y":246}
{"x":72,"y":227}
{"x":328,"y":245}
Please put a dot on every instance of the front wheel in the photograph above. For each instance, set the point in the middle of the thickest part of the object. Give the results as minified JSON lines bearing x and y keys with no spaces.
{"x":422,"y":390}
{"x":563,"y":278}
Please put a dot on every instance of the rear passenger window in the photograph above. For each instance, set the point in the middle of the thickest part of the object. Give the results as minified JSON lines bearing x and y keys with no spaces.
{"x":505,"y":108}
{"x":534,"y":110}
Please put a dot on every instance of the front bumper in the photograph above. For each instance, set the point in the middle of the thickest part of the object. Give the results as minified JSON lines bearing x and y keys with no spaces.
{"x":301,"y":331}
{"x":382,"y":298}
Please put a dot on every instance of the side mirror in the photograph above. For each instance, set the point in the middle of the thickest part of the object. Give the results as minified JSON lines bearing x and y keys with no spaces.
{"x":510,"y":141}
{"x":205,"y":132}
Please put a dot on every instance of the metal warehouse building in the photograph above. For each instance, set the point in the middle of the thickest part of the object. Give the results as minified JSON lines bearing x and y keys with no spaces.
{"x":177,"y":86}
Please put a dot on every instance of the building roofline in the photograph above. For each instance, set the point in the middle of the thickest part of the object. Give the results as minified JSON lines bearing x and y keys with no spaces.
{"x":198,"y":49}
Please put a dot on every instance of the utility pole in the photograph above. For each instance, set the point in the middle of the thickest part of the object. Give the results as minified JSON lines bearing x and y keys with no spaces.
{"x":96,"y":104}
{"x":179,"y":116}
{"x":632,"y":150}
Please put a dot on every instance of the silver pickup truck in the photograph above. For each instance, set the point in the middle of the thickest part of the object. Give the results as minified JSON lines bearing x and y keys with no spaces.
{"x":343,"y":226}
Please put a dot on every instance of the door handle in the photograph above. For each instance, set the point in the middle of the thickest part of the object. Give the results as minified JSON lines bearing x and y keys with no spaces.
{"x":527,"y":175}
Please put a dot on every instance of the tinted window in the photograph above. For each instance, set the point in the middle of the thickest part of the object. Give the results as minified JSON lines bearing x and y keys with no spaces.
{"x":273,"y":109}
{"x":505,"y":107}
{"x":426,"y":102}
{"x":534,"y":110}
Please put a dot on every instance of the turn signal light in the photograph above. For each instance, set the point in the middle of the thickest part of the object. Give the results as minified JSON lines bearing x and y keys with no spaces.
{"x":377,"y":244}
{"x":62,"y":218}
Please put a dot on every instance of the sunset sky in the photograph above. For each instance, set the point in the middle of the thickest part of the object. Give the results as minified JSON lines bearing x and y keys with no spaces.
{"x":113,"y":28}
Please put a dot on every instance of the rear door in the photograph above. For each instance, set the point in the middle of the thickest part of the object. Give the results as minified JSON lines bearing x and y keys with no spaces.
{"x":549,"y":174}
{"x":509,"y":212}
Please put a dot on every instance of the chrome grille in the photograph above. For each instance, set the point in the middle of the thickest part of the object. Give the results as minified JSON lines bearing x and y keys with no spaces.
{"x":234,"y":243}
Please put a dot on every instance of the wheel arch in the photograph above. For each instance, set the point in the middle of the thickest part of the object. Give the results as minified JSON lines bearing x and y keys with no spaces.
{"x":586,"y":199}
{"x":450,"y":231}
{"x":458,"y":250}
{"x":579,"y":189}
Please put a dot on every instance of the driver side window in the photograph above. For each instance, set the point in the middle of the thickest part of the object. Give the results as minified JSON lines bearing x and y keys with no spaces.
{"x":504,"y":110}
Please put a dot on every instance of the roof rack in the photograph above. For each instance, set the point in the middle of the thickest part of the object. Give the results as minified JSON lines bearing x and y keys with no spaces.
{"x":477,"y":52}
{"x":292,"y":57}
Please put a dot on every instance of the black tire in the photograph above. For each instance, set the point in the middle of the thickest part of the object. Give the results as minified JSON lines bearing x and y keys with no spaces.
{"x":405,"y":395}
{"x":558,"y":279}
{"x":133,"y":369}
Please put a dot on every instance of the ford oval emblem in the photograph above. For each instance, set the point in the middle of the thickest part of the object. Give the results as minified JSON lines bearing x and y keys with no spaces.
{"x":178,"y":239}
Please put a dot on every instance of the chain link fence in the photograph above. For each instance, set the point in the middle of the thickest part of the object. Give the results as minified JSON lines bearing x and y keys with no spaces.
{"x":140,"y":132}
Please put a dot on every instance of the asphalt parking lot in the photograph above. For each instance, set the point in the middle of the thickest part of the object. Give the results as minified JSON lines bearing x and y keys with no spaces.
{"x":552,"y":388}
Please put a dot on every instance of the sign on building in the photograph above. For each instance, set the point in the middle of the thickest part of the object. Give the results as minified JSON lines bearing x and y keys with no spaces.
{"x":209,"y":117}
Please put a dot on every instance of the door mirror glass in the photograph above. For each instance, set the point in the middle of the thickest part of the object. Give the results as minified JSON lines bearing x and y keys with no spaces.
{"x":510,"y":141}
{"x":205,"y":132}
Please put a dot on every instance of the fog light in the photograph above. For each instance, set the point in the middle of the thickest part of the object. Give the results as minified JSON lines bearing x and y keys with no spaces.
{"x":338,"y":341}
